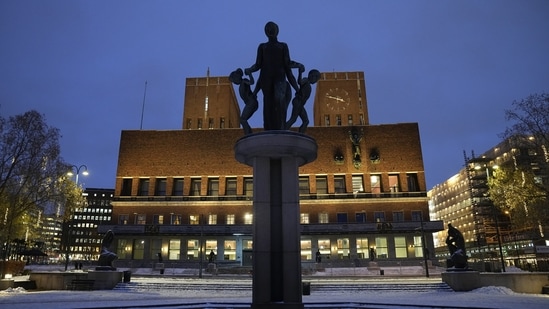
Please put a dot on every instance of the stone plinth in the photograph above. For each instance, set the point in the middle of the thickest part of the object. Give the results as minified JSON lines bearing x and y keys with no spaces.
{"x":520,"y":282}
{"x":463,"y":280}
{"x":103,"y":280}
{"x":276,"y":157}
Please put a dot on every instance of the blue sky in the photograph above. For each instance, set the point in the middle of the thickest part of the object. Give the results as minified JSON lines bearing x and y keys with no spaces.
{"x":451,"y":66}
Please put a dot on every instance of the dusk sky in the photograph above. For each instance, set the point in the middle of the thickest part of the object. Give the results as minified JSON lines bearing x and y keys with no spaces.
{"x":451,"y":66}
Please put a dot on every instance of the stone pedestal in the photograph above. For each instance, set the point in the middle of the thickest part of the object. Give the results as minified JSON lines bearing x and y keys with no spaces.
{"x":276,"y":157}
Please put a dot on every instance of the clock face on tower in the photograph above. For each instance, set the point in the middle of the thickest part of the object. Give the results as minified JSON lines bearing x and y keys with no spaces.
{"x":337,"y":99}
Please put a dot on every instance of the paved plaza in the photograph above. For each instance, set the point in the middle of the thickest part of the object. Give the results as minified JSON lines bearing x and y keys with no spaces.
{"x":170,"y":291}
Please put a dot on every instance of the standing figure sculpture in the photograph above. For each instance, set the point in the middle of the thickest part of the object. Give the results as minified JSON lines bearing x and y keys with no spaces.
{"x":273,"y":59}
{"x":456,"y":246}
{"x":249,"y":97}
{"x":301,"y":97}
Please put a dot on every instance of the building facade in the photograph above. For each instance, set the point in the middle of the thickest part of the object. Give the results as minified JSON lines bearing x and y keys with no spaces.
{"x":464,"y":201}
{"x":181,"y":194}
{"x":81,"y":240}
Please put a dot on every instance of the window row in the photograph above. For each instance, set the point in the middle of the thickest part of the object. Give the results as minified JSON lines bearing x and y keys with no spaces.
{"x":338,"y":122}
{"x":92,"y":218}
{"x":247,"y":218}
{"x":322,"y":184}
{"x":94,"y":210}
{"x":199,"y":124}
{"x":231,"y":249}
{"x":177,"y":219}
{"x":180,"y":249}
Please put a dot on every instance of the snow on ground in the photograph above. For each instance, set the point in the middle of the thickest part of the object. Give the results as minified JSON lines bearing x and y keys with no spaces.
{"x":486,"y":297}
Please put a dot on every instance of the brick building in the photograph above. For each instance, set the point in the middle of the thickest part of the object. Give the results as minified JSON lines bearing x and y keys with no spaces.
{"x":181,"y":193}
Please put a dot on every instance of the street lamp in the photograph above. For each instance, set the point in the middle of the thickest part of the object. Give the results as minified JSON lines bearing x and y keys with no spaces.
{"x":77,"y":168}
{"x":513,"y":235}
{"x":67,"y":224}
{"x":425,"y":249}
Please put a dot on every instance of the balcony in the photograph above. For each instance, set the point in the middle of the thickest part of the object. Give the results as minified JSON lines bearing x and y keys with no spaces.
{"x":194,"y":198}
{"x":306,"y":229}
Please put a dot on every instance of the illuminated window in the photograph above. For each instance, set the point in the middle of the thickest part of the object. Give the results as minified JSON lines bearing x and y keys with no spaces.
{"x":248,"y":218}
{"x":324,"y":247}
{"x":323,"y":217}
{"x":304,"y":218}
{"x":138,"y":249}
{"x":306,"y":249}
{"x":375,"y":182}
{"x":393,"y":183}
{"x":194,"y":219}
{"x":230,"y":250}
{"x":381,"y":248}
{"x":358,"y":183}
{"x":343,"y":248}
{"x":418,"y":246}
{"x":362,"y":248}
{"x":174,"y":249}
{"x":158,"y":219}
{"x":230,"y":219}
{"x":193,"y":249}
{"x":400,"y":247}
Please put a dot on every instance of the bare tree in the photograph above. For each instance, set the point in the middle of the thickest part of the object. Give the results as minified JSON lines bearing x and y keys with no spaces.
{"x":517,"y":188}
{"x":530,"y":117}
{"x":517,"y":193}
{"x":31,"y":172}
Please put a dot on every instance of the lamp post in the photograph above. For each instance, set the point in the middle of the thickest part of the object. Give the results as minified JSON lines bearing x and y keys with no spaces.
{"x":513,"y":234}
{"x":425,"y":250}
{"x":77,"y":169}
{"x":201,"y":252}
{"x":67,"y":224}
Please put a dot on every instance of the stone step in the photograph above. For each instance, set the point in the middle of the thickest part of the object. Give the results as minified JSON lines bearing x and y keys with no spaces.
{"x":319,"y":287}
